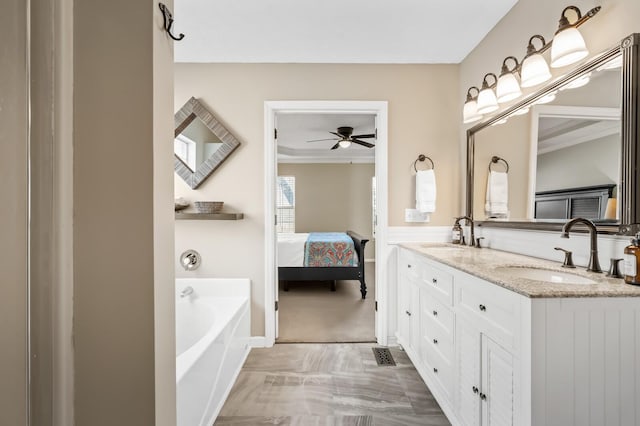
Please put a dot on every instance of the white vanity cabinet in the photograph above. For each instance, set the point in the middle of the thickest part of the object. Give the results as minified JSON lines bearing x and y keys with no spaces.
{"x":492,"y":356}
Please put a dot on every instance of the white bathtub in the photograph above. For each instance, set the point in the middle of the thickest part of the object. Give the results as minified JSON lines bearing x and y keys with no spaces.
{"x":212,"y":335}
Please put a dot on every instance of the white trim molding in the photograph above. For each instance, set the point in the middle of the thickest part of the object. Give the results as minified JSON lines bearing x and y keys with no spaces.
{"x":271,"y":110}
{"x":409,"y":234}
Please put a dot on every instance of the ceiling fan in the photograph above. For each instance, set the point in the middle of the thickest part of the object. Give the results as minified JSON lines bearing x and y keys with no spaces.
{"x":345,"y":137}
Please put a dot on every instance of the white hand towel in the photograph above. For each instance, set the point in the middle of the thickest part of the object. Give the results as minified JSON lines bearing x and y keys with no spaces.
{"x":497,"y":198}
{"x":426,"y":191}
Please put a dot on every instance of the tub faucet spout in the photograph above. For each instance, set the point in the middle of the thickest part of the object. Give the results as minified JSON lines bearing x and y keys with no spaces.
{"x":186,"y":292}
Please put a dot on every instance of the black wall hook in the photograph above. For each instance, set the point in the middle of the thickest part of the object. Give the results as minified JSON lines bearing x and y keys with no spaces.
{"x":168,"y":21}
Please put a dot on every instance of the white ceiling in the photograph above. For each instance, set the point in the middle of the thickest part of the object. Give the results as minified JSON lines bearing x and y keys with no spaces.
{"x":333,"y":31}
{"x":294,"y":130}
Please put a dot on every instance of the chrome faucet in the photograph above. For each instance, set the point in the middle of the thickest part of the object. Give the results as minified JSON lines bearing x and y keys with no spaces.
{"x":594,"y":264}
{"x":472,"y":243}
{"x":186,"y":292}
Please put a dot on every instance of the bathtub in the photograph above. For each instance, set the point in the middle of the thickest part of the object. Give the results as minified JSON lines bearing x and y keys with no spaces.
{"x":212,"y":343}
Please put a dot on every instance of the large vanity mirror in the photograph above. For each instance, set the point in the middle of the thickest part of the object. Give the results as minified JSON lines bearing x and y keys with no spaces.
{"x":569,"y":150}
{"x":201,"y":143}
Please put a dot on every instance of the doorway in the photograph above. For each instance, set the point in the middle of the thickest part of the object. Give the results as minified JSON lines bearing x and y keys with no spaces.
{"x":376,"y":278}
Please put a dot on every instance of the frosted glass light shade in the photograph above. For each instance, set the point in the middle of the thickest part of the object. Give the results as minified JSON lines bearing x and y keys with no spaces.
{"x":487,"y":101}
{"x":568,"y":47}
{"x":470,"y":112}
{"x":547,"y":98}
{"x":534,"y":71}
{"x":521,"y":111}
{"x":344,"y":144}
{"x":508,"y":88}
{"x":578,"y":82}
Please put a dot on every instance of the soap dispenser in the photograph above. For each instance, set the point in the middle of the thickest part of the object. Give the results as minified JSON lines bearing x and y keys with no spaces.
{"x":632,"y":261}
{"x":456,"y":232}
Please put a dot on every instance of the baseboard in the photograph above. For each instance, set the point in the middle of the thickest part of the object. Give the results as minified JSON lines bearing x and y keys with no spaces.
{"x":392,"y":341}
{"x":406,"y":234}
{"x":258,"y":342}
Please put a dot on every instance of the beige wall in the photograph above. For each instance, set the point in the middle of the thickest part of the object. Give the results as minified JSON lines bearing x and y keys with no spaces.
{"x":616,"y":20}
{"x":333,"y":198}
{"x":122,"y":219}
{"x":423,"y":118}
{"x":13,"y":215}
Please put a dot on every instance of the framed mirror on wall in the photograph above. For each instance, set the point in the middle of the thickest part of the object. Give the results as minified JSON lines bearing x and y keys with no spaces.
{"x":201,"y":143}
{"x":571,"y":147}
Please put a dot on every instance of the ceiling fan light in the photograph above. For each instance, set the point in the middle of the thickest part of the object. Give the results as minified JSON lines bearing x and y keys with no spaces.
{"x":568,"y":47}
{"x":487,"y":101}
{"x":508,"y":88}
{"x":344,"y":144}
{"x":534,"y":71}
{"x":470,"y":112}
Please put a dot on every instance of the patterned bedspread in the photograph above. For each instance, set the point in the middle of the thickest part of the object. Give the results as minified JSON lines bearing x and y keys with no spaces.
{"x":329,"y":249}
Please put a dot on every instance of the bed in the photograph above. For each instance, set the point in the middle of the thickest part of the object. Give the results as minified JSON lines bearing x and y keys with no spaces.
{"x":294,"y":253}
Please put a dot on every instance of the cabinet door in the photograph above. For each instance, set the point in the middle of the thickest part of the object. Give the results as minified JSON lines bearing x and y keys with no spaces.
{"x":468,"y":373}
{"x":414,"y":303}
{"x":497,"y":384}
{"x":404,"y":309}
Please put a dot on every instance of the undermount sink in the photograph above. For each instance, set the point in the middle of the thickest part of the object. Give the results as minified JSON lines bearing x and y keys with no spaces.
{"x":545,"y":275}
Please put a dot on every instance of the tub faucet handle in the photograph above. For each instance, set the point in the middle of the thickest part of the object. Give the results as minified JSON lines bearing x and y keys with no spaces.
{"x":190,"y":260}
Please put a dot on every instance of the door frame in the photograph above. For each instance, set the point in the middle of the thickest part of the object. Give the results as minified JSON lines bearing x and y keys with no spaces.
{"x":380,"y":110}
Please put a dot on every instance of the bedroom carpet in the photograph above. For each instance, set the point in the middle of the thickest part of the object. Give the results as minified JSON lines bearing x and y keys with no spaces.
{"x":311,"y":313}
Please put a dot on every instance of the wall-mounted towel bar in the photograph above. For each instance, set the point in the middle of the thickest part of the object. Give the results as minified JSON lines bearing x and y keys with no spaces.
{"x":421,"y":158}
{"x":495,"y":159}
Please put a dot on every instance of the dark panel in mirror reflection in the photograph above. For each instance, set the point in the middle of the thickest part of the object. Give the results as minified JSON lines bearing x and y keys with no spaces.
{"x":201,"y":143}
{"x":576,"y":135}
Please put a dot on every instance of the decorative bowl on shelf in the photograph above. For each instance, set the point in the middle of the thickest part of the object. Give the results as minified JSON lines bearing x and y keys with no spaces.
{"x":180,"y":204}
{"x":208,"y":206}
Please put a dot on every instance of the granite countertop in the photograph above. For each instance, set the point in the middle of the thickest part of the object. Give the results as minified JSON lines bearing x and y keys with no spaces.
{"x":494,"y":266}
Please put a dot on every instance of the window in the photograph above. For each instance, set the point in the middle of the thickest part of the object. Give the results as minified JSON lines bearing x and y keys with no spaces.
{"x":286,"y":204}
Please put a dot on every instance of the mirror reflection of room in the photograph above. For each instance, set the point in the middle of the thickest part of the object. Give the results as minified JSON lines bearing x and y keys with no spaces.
{"x":196,"y":144}
{"x":564,"y":153}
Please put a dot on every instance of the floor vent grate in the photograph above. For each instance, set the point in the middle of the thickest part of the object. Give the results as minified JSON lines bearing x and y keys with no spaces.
{"x":383,"y":356}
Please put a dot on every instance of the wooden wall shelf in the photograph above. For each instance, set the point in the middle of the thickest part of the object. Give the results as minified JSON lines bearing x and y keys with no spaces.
{"x":209,"y":216}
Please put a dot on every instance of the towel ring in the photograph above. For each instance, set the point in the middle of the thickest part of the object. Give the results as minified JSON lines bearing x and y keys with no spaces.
{"x":495,"y":159}
{"x":422,"y":157}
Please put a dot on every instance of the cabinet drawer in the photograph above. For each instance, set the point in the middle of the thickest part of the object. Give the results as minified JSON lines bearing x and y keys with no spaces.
{"x":493,"y":310}
{"x":439,"y":368}
{"x":435,"y":337}
{"x":439,"y":282}
{"x":438,"y":312}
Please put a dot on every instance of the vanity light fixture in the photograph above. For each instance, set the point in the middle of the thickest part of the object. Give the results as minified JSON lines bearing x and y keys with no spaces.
{"x":578,"y":82}
{"x":470,"y":111}
{"x":487,"y":101}
{"x":508,"y":87}
{"x":521,"y":111}
{"x":547,"y":98}
{"x":534,"y":67}
{"x":568,"y":45}
{"x":344,"y":144}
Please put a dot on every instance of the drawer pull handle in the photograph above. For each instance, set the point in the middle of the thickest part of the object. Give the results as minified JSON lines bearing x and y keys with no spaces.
{"x":435,"y":341}
{"x":434,"y":280}
{"x":435,"y":313}
{"x":408,"y":313}
{"x":482,"y":308}
{"x":435,"y":370}
{"x":475,"y":389}
{"x":483,"y":396}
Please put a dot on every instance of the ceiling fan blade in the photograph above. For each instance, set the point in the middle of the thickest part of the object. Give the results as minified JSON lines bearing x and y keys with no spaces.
{"x":337,"y":134}
{"x":320,"y":140}
{"x":363,"y":143}
{"x":336,"y":146}
{"x":366,"y":136}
